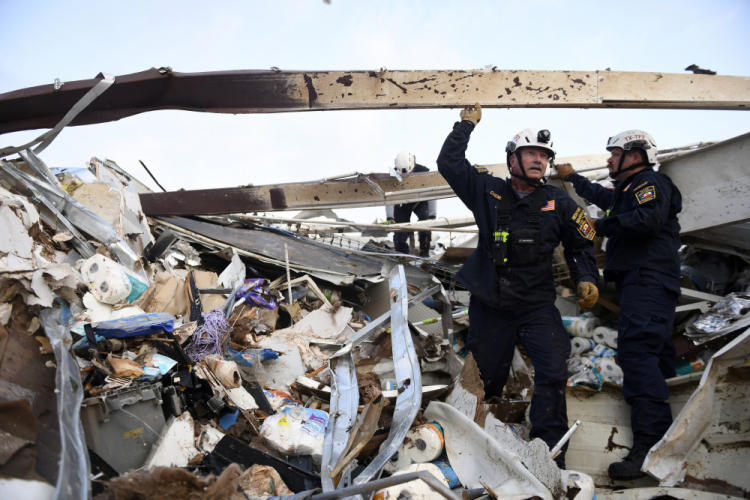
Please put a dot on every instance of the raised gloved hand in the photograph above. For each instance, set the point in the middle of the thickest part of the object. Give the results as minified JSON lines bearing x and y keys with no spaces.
{"x":473,"y":115}
{"x":563,"y":171}
{"x":389,"y":220}
{"x":589,"y":294}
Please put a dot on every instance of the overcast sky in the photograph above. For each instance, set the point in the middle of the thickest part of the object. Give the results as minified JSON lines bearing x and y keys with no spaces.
{"x":76,"y":40}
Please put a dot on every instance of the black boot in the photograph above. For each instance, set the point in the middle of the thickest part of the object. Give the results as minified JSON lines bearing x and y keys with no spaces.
{"x":630,"y":467}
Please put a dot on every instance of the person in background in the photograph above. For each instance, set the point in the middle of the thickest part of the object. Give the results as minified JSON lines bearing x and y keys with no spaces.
{"x":399,"y":214}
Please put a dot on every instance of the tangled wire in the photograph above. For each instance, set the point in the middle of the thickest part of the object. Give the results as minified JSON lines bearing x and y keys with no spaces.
{"x":209,"y":337}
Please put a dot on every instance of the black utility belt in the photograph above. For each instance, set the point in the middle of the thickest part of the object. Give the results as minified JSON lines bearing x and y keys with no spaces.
{"x":517,"y":247}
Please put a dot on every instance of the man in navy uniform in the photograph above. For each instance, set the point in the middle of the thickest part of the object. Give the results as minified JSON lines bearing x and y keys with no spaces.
{"x":521,"y":221}
{"x":643,"y":240}
{"x":424,"y":210}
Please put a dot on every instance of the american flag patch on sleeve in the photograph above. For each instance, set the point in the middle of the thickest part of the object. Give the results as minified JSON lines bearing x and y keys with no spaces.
{"x":549,"y":206}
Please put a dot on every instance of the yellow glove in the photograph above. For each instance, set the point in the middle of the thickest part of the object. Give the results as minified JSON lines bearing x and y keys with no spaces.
{"x":589,"y":294}
{"x":473,"y":115}
{"x":563,"y":171}
{"x":388,"y":222}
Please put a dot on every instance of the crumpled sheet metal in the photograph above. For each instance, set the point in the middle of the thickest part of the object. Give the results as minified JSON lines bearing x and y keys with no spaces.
{"x":39,"y":167}
{"x":666,"y":460}
{"x":80,"y":216}
{"x":343,"y":414}
{"x":73,"y":477}
{"x":424,"y":281}
{"x":408,"y":374}
{"x":383,"y":320}
{"x":477,"y":458}
{"x":48,"y":211}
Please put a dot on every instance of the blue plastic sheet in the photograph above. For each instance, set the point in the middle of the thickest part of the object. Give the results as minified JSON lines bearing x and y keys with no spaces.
{"x":135,"y":326}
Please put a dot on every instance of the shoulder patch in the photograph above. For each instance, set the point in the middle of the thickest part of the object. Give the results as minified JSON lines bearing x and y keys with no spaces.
{"x":641,"y":185}
{"x":549,"y":206}
{"x":496,"y":195}
{"x":646,"y":194}
{"x":582,"y":224}
{"x":480,"y":169}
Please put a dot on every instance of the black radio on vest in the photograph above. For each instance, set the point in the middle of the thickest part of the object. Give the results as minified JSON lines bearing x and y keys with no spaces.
{"x":518,"y":246}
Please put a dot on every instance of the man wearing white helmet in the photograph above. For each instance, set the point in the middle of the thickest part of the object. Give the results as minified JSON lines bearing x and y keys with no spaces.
{"x":643,"y":240}
{"x":425,"y":210}
{"x":521,"y":221}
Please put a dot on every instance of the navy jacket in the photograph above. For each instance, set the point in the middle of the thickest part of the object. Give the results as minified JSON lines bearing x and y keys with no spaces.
{"x":522,"y":287}
{"x":431,"y":204}
{"x":643,"y":230}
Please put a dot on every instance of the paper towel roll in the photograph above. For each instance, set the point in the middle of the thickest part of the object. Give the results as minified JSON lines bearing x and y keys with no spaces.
{"x":604,"y":351}
{"x":609,"y":370}
{"x":226,"y":371}
{"x":580,"y":326}
{"x":398,"y":461}
{"x":605,"y":335}
{"x":580,"y":345}
{"x":426,"y":443}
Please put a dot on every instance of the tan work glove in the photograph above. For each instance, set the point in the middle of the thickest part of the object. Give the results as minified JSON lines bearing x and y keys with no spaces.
{"x":563,"y":171}
{"x":473,"y":115}
{"x":589,"y":294}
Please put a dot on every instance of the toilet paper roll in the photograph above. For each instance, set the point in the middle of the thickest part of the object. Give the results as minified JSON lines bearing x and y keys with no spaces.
{"x":605,"y":335}
{"x":580,"y":326}
{"x":609,"y":370}
{"x":579,"y":345}
{"x":226,"y":372}
{"x":426,"y":443}
{"x":398,"y":461}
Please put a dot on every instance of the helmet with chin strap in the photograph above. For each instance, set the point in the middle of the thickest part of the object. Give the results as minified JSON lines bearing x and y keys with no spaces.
{"x":629,"y":140}
{"x":529,"y":137}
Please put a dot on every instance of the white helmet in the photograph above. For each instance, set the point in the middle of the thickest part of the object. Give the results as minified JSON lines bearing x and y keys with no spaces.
{"x":634,"y":139}
{"x":405,"y":162}
{"x":531,"y":137}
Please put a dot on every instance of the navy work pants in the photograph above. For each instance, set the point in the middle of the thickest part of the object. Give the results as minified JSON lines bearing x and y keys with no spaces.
{"x":492,"y":340}
{"x":645,"y":349}
{"x":402,"y":214}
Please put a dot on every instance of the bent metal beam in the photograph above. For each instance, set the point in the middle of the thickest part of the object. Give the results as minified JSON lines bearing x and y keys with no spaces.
{"x":340,"y":193}
{"x":253,"y":91}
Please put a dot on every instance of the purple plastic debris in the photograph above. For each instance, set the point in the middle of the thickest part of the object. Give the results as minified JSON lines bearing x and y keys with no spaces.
{"x":255,"y":291}
{"x":207,"y":338}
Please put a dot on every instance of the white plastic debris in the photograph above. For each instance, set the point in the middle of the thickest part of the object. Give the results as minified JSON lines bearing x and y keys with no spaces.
{"x":477,"y":458}
{"x":234,"y":273}
{"x":177,"y":445}
{"x":296,"y":431}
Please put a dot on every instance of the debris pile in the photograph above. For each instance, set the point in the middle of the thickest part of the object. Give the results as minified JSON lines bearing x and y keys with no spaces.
{"x":225,"y":357}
